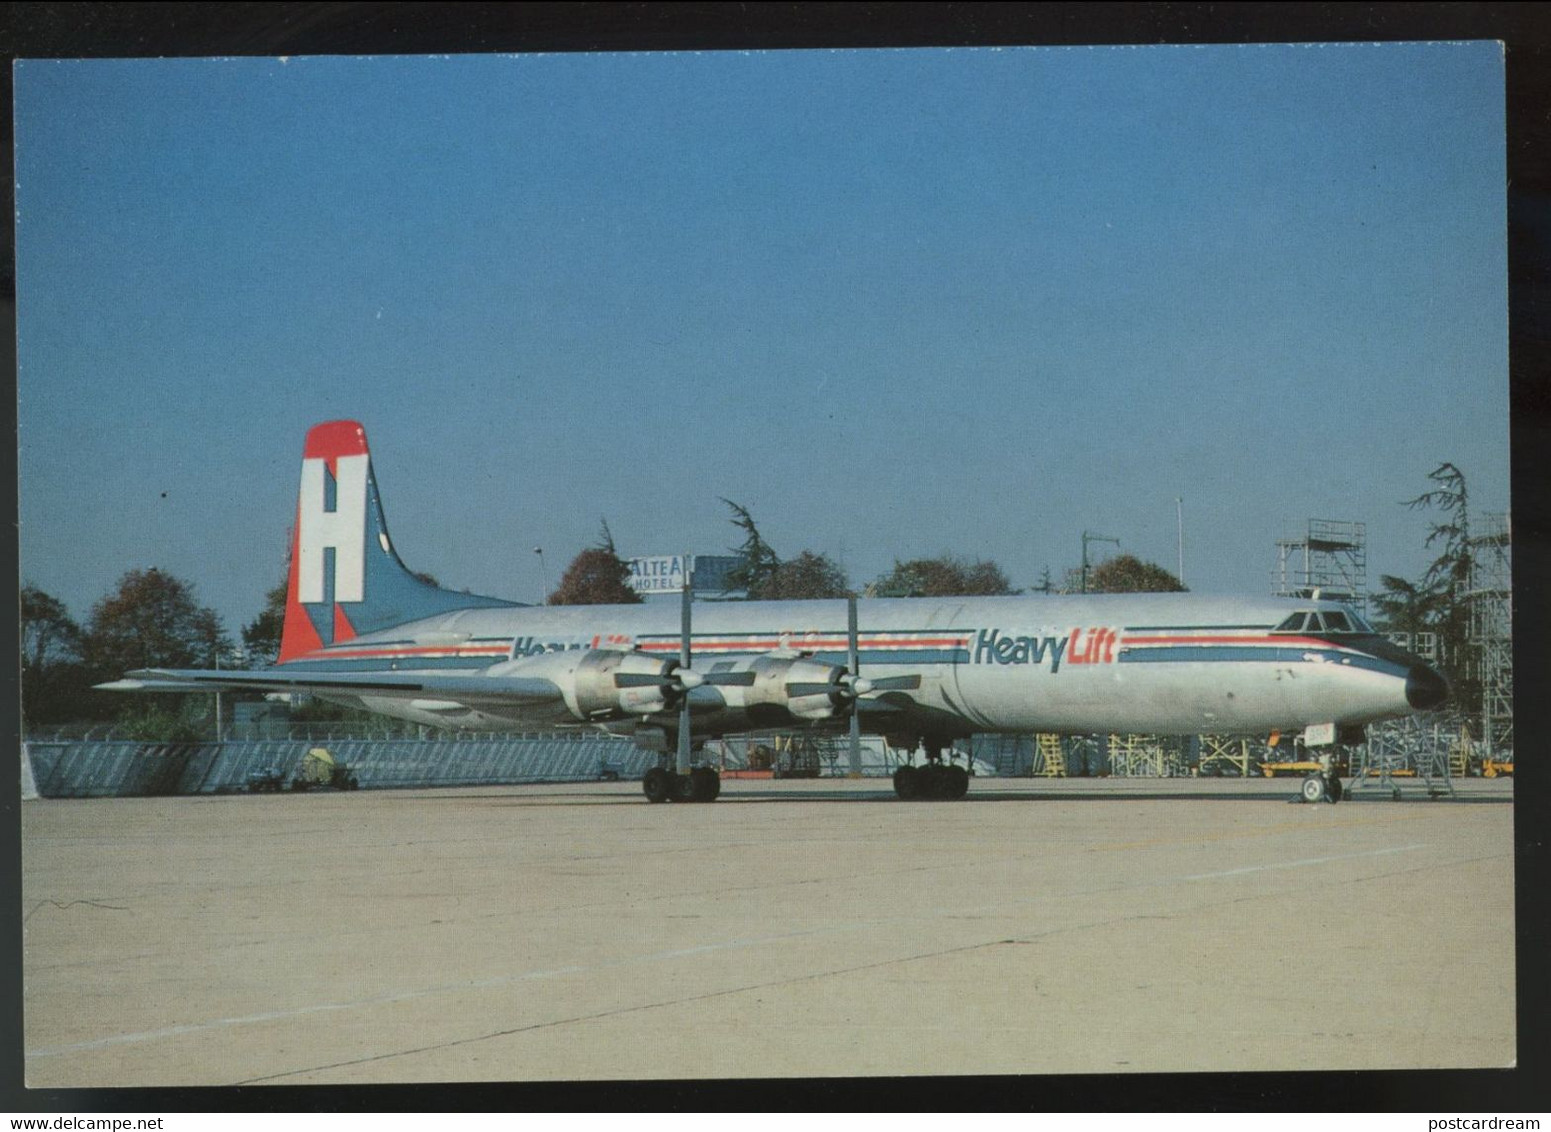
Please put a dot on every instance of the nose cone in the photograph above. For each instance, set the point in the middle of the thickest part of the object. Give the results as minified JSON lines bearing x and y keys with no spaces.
{"x":1425,"y":689}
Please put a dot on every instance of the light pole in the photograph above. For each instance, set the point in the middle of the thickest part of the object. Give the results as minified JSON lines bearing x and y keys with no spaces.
{"x":544,"y":574}
{"x":1086,"y":539}
{"x":1179,"y":517}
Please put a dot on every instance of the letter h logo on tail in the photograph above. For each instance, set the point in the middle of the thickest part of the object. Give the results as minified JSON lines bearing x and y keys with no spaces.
{"x":328,"y":554}
{"x":341,"y":557}
{"x":340,"y":528}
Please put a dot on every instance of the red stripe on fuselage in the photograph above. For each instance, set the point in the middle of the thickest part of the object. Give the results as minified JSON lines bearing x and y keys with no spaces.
{"x":374,"y":654}
{"x":830,"y":644}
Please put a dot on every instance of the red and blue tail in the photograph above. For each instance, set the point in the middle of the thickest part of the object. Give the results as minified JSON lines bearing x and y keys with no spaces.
{"x":346,"y":579}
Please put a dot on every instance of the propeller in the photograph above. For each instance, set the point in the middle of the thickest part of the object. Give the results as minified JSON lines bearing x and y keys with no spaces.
{"x":850,"y":685}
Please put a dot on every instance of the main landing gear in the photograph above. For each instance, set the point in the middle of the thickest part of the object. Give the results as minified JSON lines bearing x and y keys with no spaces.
{"x":702,"y":784}
{"x":935,"y":782}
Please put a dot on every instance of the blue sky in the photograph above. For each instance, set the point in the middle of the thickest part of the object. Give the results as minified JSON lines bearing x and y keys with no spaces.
{"x":898,"y":303}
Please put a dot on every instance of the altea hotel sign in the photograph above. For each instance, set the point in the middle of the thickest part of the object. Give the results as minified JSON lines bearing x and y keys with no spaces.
{"x":659,"y":574}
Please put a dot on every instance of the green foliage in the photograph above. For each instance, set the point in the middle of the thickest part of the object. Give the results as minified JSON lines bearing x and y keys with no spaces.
{"x":759,"y":563}
{"x":152,"y":620}
{"x":53,"y":679}
{"x":1408,"y":607}
{"x":809,"y":575}
{"x":1128,"y":574}
{"x":157,"y":723}
{"x":596,"y":576}
{"x":1448,"y":577}
{"x":261,"y":636}
{"x":943,"y":577}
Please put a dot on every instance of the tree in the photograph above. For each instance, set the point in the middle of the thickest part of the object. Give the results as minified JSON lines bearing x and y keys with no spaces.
{"x":152,"y":620}
{"x":809,"y":575}
{"x":1450,"y":571}
{"x":261,"y":636}
{"x":1448,"y":578}
{"x":49,"y":635}
{"x":596,"y":576}
{"x":943,"y":577}
{"x":1407,"y":607}
{"x":1128,"y":574}
{"x":759,"y":563}
{"x":52,"y":675}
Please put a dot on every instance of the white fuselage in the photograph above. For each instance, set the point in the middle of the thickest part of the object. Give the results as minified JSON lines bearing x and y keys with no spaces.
{"x":1145,"y":663}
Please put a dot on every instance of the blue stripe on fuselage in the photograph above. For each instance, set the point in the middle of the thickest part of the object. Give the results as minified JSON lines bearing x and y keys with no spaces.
{"x":1215,"y":653}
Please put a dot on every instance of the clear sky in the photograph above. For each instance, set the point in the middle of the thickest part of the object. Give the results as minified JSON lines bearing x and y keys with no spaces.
{"x":897,"y":303}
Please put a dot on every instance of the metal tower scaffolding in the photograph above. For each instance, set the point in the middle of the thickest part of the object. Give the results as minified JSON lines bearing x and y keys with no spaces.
{"x":1145,"y":756}
{"x":1491,"y":631}
{"x":1332,"y":557}
{"x":1221,"y":754}
{"x":1408,"y":753}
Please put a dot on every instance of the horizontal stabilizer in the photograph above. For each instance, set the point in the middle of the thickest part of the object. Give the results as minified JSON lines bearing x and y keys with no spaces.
{"x":462,"y":686}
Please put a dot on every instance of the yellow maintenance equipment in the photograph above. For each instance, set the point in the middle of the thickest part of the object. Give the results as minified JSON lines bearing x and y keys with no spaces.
{"x":1052,"y":758}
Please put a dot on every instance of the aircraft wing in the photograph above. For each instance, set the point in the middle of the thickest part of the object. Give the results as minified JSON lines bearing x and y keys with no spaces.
{"x":525,"y":690}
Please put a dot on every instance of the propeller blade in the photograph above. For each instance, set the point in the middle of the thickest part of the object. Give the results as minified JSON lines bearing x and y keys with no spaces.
{"x":797,"y":689}
{"x":858,"y":686}
{"x":684,"y":751}
{"x":852,"y":663}
{"x":895,"y":684}
{"x":684,"y":617}
{"x":641,"y":680}
{"x":856,"y":745}
{"x":730,"y":679}
{"x":682,"y":763}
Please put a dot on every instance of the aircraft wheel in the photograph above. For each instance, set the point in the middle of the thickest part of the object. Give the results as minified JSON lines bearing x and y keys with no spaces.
{"x":656,"y":784}
{"x":934,"y":782}
{"x":1334,"y":791}
{"x":683,"y":787}
{"x":907,"y":783}
{"x":705,"y":784}
{"x":1314,"y":788}
{"x":956,"y":783}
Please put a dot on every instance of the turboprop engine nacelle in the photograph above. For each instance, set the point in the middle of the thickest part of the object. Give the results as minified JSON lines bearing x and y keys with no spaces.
{"x":586,"y":681}
{"x":772,"y":692}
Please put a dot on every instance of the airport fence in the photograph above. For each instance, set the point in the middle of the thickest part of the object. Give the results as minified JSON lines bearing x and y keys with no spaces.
{"x":118,"y":768}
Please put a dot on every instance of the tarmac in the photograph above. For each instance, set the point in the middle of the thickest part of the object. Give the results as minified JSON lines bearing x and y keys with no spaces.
{"x":815,"y":929}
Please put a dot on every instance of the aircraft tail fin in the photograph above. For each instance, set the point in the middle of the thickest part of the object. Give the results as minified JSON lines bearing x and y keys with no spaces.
{"x":346,"y":579}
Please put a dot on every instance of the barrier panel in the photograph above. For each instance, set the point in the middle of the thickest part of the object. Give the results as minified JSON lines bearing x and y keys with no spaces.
{"x":120,"y":768}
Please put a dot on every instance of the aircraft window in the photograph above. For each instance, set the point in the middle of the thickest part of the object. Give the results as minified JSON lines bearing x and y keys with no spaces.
{"x":1359,"y":625}
{"x":1293,"y":624}
{"x":1315,"y":624}
{"x":1336,"y":622}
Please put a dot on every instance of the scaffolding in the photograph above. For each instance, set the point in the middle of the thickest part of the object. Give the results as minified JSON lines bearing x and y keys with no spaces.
{"x":1049,"y":756}
{"x":1491,"y":632}
{"x":1407,"y":753}
{"x":1226,"y":755}
{"x":1331,"y":557}
{"x":1145,"y":756}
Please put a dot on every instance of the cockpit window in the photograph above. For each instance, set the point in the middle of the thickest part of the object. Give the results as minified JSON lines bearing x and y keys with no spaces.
{"x":1327,"y":621}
